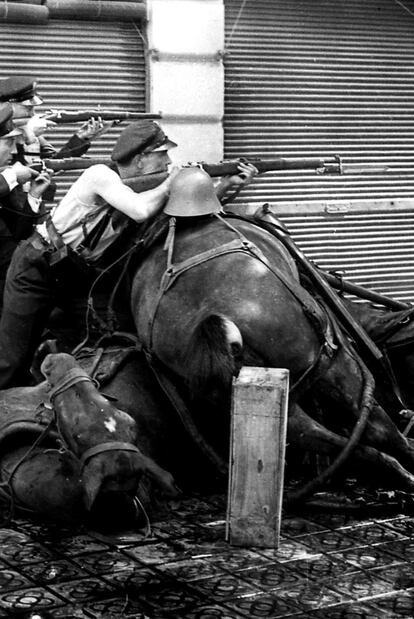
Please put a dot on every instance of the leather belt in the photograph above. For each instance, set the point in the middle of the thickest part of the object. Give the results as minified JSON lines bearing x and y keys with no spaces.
{"x":38,"y":242}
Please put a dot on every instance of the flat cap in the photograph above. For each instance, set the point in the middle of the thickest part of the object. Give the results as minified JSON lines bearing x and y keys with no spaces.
{"x":144,"y":136}
{"x":6,"y":124}
{"x":19,"y":89}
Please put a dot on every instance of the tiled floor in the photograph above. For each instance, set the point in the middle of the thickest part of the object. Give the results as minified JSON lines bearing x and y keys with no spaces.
{"x":327,"y":566}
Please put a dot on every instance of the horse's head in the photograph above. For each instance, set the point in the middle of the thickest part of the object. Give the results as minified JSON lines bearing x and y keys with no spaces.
{"x":102,"y":436}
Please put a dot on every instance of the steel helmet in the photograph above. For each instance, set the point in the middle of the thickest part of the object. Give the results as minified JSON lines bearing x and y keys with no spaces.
{"x":192,"y":193}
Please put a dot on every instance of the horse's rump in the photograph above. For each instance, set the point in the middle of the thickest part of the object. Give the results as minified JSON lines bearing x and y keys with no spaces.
{"x":213,"y":271}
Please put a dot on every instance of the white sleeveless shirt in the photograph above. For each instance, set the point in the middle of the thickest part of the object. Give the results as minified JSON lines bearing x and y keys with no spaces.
{"x":74,"y":218}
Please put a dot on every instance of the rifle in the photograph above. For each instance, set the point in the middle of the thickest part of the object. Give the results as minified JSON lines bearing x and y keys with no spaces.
{"x":321,"y":165}
{"x":137,"y":183}
{"x":328,"y":165}
{"x":61,"y":117}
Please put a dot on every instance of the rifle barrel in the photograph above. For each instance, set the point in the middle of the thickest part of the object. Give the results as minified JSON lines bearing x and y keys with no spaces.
{"x":61,"y":117}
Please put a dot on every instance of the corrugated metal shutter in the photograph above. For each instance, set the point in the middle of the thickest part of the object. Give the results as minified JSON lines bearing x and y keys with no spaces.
{"x":79,"y":65}
{"x":323,"y":78}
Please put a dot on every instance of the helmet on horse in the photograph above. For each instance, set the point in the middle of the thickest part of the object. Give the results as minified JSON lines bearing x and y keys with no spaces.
{"x":192,"y":193}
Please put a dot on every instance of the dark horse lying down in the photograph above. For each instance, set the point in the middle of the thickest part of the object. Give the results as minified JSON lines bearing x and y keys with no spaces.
{"x":222,"y":293}
{"x":88,"y":453}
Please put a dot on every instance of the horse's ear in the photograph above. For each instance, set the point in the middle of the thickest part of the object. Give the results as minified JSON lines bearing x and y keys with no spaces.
{"x":47,"y":347}
{"x":46,"y":365}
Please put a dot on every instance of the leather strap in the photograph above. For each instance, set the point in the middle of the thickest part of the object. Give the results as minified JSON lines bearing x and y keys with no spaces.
{"x":72,"y":377}
{"x":109,"y":446}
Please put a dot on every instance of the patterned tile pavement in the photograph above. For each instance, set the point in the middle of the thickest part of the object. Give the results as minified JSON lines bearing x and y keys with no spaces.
{"x":327,"y":566}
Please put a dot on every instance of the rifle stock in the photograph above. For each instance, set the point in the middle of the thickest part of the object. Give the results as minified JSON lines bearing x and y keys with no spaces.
{"x":61,"y":117}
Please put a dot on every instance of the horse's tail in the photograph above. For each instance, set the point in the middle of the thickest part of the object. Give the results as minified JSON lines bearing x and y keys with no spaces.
{"x":214,"y":354}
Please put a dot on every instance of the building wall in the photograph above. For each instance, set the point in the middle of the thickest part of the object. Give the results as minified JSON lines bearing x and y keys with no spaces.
{"x":186,"y":74}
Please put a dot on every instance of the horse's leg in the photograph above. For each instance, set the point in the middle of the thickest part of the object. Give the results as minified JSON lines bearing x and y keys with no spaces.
{"x":342,"y":387}
{"x":306,"y":433}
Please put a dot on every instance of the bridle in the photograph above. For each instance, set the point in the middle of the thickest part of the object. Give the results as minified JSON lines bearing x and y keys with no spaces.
{"x":71,"y":378}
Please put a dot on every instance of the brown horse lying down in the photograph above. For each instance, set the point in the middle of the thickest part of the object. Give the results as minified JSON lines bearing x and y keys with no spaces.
{"x":102,"y":436}
{"x":99,"y":455}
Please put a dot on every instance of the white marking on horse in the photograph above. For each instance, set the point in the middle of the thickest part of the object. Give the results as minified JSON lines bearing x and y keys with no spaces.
{"x":110,"y":425}
{"x":233,"y":334}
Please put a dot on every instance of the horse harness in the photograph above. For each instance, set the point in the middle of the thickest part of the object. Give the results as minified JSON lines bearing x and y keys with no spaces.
{"x":243,"y":245}
{"x":71,"y":378}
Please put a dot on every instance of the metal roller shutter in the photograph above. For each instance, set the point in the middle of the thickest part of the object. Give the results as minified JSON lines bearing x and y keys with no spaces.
{"x":79,"y":65}
{"x":323,"y":78}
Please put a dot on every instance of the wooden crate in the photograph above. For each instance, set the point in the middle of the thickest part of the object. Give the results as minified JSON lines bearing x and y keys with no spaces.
{"x":257,"y":454}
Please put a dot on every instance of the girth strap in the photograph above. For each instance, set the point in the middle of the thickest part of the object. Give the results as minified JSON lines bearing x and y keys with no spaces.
{"x":109,"y":446}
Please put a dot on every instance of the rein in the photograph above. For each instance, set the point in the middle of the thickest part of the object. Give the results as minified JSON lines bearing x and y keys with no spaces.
{"x":6,"y":488}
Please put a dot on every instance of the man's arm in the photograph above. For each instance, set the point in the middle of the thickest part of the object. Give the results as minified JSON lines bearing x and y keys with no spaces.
{"x":99,"y":180}
{"x":77,"y":144}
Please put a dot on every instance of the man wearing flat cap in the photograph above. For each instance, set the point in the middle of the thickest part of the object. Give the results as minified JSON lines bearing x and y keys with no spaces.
{"x":147,"y":146}
{"x":14,"y":204}
{"x":21,"y":92}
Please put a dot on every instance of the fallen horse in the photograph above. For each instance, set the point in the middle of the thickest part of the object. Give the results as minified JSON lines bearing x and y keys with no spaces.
{"x":216,"y":293}
{"x":220,"y":293}
{"x":80,"y":448}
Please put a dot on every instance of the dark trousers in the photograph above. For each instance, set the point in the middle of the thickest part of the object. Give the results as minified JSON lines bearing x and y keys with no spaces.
{"x":7,"y":247}
{"x":28,"y":300}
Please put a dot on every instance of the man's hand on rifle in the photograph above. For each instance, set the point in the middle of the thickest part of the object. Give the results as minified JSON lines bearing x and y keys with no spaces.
{"x":35,"y":126}
{"x":247,"y":173}
{"x":93,"y":128}
{"x":236,"y":182}
{"x":23,"y":172}
{"x":40,"y":183}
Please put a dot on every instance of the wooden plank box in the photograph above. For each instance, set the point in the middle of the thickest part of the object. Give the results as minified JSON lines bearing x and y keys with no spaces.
{"x":257,"y":457}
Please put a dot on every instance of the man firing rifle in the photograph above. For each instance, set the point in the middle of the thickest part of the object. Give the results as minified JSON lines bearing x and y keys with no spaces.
{"x":82,"y":223}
